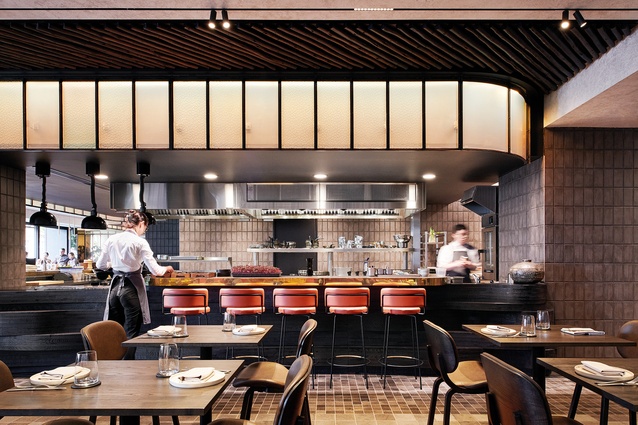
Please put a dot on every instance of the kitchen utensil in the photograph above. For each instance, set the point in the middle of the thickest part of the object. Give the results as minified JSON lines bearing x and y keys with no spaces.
{"x":402,"y":240}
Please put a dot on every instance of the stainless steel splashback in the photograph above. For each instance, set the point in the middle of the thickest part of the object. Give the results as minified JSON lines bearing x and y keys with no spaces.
{"x":273,"y":200}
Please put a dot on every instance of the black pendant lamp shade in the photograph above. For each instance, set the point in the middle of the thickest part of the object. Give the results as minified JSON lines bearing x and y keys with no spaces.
{"x":144,"y":170}
{"x":93,"y":221}
{"x":43,"y":217}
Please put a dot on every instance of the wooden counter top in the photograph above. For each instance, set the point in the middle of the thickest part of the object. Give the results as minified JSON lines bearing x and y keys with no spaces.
{"x":390,"y":280}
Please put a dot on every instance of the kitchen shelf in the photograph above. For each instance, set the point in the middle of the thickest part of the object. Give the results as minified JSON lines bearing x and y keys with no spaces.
{"x":180,"y":258}
{"x":436,"y":244}
{"x":329,"y":251}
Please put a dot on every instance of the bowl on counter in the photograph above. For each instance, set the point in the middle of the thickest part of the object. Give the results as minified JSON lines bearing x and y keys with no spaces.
{"x":402,"y":240}
{"x":223,"y":272}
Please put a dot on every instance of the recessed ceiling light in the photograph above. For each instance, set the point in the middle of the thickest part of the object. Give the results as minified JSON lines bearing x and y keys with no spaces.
{"x":428,"y":176}
{"x":320,"y":176}
{"x":101,"y":176}
{"x":210,"y":176}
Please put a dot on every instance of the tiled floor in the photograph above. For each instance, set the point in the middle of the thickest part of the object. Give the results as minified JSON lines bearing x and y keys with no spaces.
{"x":402,"y":402}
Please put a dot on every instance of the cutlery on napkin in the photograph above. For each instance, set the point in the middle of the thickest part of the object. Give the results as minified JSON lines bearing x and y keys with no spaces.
{"x":582,"y":331}
{"x":603,"y":369}
{"x":59,"y":373}
{"x":197,"y":374}
{"x":165,"y":330}
{"x":499,"y":328}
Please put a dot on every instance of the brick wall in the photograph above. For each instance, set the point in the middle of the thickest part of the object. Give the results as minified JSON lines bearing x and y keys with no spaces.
{"x":12,"y":235}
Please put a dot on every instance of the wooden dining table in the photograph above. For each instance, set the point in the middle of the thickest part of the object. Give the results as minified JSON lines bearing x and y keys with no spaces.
{"x":544,"y":339}
{"x":204,"y":337}
{"x":626,"y":396}
{"x":129,"y":389}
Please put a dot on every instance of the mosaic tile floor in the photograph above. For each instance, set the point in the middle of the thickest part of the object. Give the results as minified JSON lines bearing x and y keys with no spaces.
{"x":349,"y":403}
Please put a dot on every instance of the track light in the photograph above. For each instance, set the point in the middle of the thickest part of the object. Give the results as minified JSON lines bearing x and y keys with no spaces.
{"x":43,"y":217}
{"x":225,"y":21}
{"x":212,"y":22}
{"x":93,"y":221}
{"x":564,"y":23}
{"x":579,"y":18}
{"x":144,"y":170}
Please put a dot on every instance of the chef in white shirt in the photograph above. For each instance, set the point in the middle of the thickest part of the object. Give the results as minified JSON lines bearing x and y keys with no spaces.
{"x":459,"y":258}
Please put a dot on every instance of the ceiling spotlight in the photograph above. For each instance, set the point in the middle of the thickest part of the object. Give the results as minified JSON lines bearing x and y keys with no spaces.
{"x":210,"y":176}
{"x":93,"y":221}
{"x":564,"y":22}
{"x":225,"y":21}
{"x":428,"y":176}
{"x":320,"y":176}
{"x":579,"y":18}
{"x":43,"y":217}
{"x":212,"y":22}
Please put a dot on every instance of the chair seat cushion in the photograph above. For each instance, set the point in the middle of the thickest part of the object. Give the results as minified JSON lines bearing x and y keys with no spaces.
{"x":469,"y":375}
{"x":239,"y":311}
{"x":349,"y":310}
{"x":296,"y":310}
{"x":401,"y":310}
{"x":189,"y":311}
{"x":270,"y":376}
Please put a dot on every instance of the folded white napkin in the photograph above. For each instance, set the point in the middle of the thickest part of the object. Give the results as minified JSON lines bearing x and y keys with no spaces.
{"x":582,"y":331}
{"x":247,"y":328}
{"x":166,"y":329}
{"x":197,"y":374}
{"x":603,"y":369}
{"x":57,"y":374}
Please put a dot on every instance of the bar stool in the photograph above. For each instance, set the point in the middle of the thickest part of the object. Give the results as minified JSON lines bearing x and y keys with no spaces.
{"x":348,"y":302}
{"x":186,"y":302}
{"x":292,"y":302}
{"x":244,"y":302}
{"x":402,"y":302}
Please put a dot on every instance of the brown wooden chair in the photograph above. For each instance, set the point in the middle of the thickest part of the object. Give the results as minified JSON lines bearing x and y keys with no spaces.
{"x":270,"y":377}
{"x":514,"y":398}
{"x":293,"y":407}
{"x":6,"y":377}
{"x":465,"y":377}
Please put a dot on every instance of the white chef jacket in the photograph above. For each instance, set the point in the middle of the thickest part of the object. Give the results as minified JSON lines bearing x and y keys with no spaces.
{"x":446,"y":255}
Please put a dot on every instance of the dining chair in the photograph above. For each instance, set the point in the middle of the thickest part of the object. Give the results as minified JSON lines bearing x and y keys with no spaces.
{"x":186,"y":302}
{"x":270,"y":377}
{"x":465,"y":377}
{"x":106,"y":338}
{"x":514,"y":398}
{"x":6,"y":377}
{"x":293,"y":408}
{"x":244,"y":302}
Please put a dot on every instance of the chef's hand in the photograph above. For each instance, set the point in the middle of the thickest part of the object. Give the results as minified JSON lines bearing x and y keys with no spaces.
{"x":169,"y":270}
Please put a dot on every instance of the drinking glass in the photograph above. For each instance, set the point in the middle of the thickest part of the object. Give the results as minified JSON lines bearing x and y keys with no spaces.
{"x":528,"y":325}
{"x":88,"y":360}
{"x":229,"y":322}
{"x":168,"y":360}
{"x":542,"y":320}
{"x":179,"y":326}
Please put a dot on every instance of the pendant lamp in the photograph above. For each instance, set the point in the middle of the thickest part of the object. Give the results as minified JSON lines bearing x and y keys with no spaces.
{"x":43,"y":217}
{"x":144,"y":170}
{"x":93,"y":221}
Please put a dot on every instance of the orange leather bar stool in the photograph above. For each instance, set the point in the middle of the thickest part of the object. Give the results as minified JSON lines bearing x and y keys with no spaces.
{"x":408,"y":302}
{"x":244,"y":302}
{"x":293,"y":302}
{"x":348,"y":302}
{"x":186,"y":302}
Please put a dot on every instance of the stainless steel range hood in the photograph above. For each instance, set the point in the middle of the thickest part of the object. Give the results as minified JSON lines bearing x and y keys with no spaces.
{"x":273,"y":200}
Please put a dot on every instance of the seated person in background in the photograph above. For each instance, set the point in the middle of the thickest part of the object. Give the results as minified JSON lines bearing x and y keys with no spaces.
{"x":72,"y":260}
{"x":63,"y":259}
{"x":44,"y":260}
{"x":458,"y":257}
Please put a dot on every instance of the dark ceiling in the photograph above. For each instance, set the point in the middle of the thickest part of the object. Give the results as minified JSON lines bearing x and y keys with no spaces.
{"x":537,"y":54}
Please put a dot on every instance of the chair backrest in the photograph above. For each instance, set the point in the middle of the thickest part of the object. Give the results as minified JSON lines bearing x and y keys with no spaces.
{"x":295,"y":297}
{"x":346,"y":297}
{"x":629,"y":331}
{"x":513,"y":397}
{"x":106,"y":338}
{"x":184,"y":297}
{"x":295,"y":391}
{"x":442,"y":351}
{"x":403,"y":297}
{"x":6,"y":377}
{"x":241,"y":297}
{"x":306,"y":337}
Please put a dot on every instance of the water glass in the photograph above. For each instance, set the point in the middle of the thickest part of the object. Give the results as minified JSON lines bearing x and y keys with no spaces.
{"x":88,"y":360}
{"x":342,"y":241}
{"x":542,"y":320}
{"x":179,"y":326}
{"x":168,"y":360}
{"x":528,"y":325}
{"x":229,"y":322}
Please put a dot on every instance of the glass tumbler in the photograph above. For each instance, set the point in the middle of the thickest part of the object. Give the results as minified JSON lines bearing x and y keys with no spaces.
{"x":528,"y":325}
{"x":542,"y":320}
{"x":180,"y":328}
{"x":86,"y":360}
{"x":168,"y":360}
{"x":229,"y":322}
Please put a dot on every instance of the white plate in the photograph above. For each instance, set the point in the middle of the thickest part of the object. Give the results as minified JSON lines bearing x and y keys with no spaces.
{"x":250,"y":330}
{"x":498,"y":332}
{"x":588,"y":373}
{"x":39,"y":379}
{"x":215,"y":378}
{"x":163,"y":331}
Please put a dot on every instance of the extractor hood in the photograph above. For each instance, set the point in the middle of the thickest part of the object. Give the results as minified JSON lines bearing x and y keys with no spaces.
{"x":273,"y":200}
{"x":481,"y":199}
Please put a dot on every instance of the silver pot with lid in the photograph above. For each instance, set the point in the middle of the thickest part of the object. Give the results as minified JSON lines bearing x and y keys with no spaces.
{"x":527,"y":271}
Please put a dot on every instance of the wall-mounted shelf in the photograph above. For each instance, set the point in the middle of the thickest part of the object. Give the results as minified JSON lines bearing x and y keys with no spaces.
{"x":190,"y":258}
{"x":329,"y":251}
{"x":440,"y":240}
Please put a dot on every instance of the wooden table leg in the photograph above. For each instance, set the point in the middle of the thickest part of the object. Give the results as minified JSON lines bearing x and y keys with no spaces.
{"x":206,"y":418}
{"x":206,"y":353}
{"x":575,"y":399}
{"x":538,"y":371}
{"x":604,"y":410}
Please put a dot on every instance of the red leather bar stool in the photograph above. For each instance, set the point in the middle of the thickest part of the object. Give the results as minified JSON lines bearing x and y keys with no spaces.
{"x":293,"y":302}
{"x":244,"y":302}
{"x":409,"y":302}
{"x":347,"y":302}
{"x":186,"y":302}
